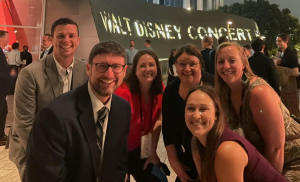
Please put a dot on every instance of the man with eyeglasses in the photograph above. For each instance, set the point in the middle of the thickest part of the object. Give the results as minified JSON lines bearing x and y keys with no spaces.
{"x":82,"y":135}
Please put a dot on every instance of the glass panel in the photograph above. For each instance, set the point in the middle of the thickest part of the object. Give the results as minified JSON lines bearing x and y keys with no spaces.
{"x":21,"y":12}
{"x":25,"y":36}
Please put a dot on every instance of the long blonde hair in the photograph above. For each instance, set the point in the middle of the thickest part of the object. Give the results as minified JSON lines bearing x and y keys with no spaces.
{"x":221,"y":87}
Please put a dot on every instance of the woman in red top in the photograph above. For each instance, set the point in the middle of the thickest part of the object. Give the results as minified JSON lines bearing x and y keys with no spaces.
{"x":143,"y":89}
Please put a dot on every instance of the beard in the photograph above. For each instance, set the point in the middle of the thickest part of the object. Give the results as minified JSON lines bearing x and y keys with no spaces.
{"x":102,"y":90}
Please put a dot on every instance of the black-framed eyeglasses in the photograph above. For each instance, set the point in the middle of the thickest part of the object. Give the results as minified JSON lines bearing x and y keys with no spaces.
{"x":103,"y":67}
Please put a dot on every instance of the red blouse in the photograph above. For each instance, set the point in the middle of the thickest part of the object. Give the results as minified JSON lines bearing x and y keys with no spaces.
{"x":138,"y":127}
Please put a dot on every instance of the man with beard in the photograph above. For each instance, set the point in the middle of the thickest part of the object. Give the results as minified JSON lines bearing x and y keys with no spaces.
{"x":130,"y":53}
{"x":42,"y":81}
{"x":82,"y":135}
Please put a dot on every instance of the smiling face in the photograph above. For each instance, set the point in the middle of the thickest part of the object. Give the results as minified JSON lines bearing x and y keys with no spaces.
{"x":229,"y":65}
{"x":146,"y":69}
{"x":186,"y":72}
{"x":104,"y":84}
{"x":200,"y":114}
{"x":65,"y":40}
{"x":281,"y":44}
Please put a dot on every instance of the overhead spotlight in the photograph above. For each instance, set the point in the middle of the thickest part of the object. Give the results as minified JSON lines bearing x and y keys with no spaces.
{"x":16,"y":31}
{"x":230,"y":22}
{"x":189,"y":8}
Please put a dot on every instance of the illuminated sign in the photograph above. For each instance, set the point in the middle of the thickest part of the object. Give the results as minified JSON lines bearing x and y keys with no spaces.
{"x":166,"y":27}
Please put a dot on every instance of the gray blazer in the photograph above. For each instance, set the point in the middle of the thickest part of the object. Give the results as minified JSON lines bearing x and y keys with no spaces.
{"x":37,"y":84}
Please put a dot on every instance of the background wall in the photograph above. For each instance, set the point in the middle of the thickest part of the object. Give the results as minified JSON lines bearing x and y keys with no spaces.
{"x":79,"y":11}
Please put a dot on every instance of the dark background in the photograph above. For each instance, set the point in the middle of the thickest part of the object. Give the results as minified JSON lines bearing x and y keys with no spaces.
{"x":143,"y":11}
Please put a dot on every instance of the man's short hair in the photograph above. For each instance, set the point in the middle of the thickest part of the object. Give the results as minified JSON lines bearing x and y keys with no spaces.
{"x":208,"y":39}
{"x":49,"y":36}
{"x":108,"y":47}
{"x":15,"y":45}
{"x":148,"y":41}
{"x":25,"y":46}
{"x":285,"y":37}
{"x":2,"y":33}
{"x":222,"y":39}
{"x":131,"y":40}
{"x":248,"y":47}
{"x":63,"y":21}
{"x":257,"y":44}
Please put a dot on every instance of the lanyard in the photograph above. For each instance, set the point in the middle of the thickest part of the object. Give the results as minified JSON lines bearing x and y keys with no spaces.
{"x":141,"y":114}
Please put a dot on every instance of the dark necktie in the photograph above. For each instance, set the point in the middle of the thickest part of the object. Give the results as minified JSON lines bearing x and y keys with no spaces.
{"x":99,"y":128}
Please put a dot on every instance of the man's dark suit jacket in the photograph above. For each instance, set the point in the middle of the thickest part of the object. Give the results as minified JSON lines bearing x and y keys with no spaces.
{"x":26,"y":56}
{"x":63,"y":143}
{"x":50,"y":51}
{"x":205,"y":56}
{"x":265,"y":67}
{"x":5,"y":78}
{"x":212,"y":57}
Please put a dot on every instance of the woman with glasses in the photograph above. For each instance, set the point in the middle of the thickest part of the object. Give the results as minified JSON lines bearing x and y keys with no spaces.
{"x":177,"y":138}
{"x":143,"y":89}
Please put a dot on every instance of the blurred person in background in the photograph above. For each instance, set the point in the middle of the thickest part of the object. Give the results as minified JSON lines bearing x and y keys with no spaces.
{"x":288,"y":71}
{"x":212,"y":54}
{"x":14,"y":61}
{"x":47,"y":45}
{"x":26,"y":56}
{"x":172,"y":69}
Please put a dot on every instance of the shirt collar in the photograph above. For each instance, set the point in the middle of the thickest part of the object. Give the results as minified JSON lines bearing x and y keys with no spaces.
{"x":96,"y":103}
{"x":48,"y":49}
{"x":61,"y":70}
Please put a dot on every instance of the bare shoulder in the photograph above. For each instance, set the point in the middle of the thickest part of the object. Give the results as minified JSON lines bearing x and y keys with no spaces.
{"x":263,"y":92}
{"x":231,"y":152}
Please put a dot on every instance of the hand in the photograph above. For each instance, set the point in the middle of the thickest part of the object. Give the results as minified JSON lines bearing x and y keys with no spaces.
{"x":180,"y":169}
{"x":126,"y":178}
{"x":154,"y":159}
{"x":278,"y":61}
{"x":13,"y":72}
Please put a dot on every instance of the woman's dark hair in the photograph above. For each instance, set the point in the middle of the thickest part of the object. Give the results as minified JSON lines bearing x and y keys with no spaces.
{"x":133,"y":82}
{"x":190,"y":49}
{"x":284,"y":37}
{"x":15,"y":45}
{"x":207,"y":153}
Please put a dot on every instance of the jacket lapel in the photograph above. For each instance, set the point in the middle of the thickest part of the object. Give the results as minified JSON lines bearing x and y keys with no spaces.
{"x":51,"y":72}
{"x":86,"y":119}
{"x":111,"y":138}
{"x":77,"y":76}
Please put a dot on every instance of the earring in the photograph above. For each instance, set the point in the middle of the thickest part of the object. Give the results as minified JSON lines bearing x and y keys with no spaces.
{"x":244,"y":77}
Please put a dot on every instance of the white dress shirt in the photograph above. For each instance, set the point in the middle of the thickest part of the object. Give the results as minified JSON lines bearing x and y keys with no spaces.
{"x":65,"y":75}
{"x":46,"y":51}
{"x":97,"y":106}
{"x":14,"y":57}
